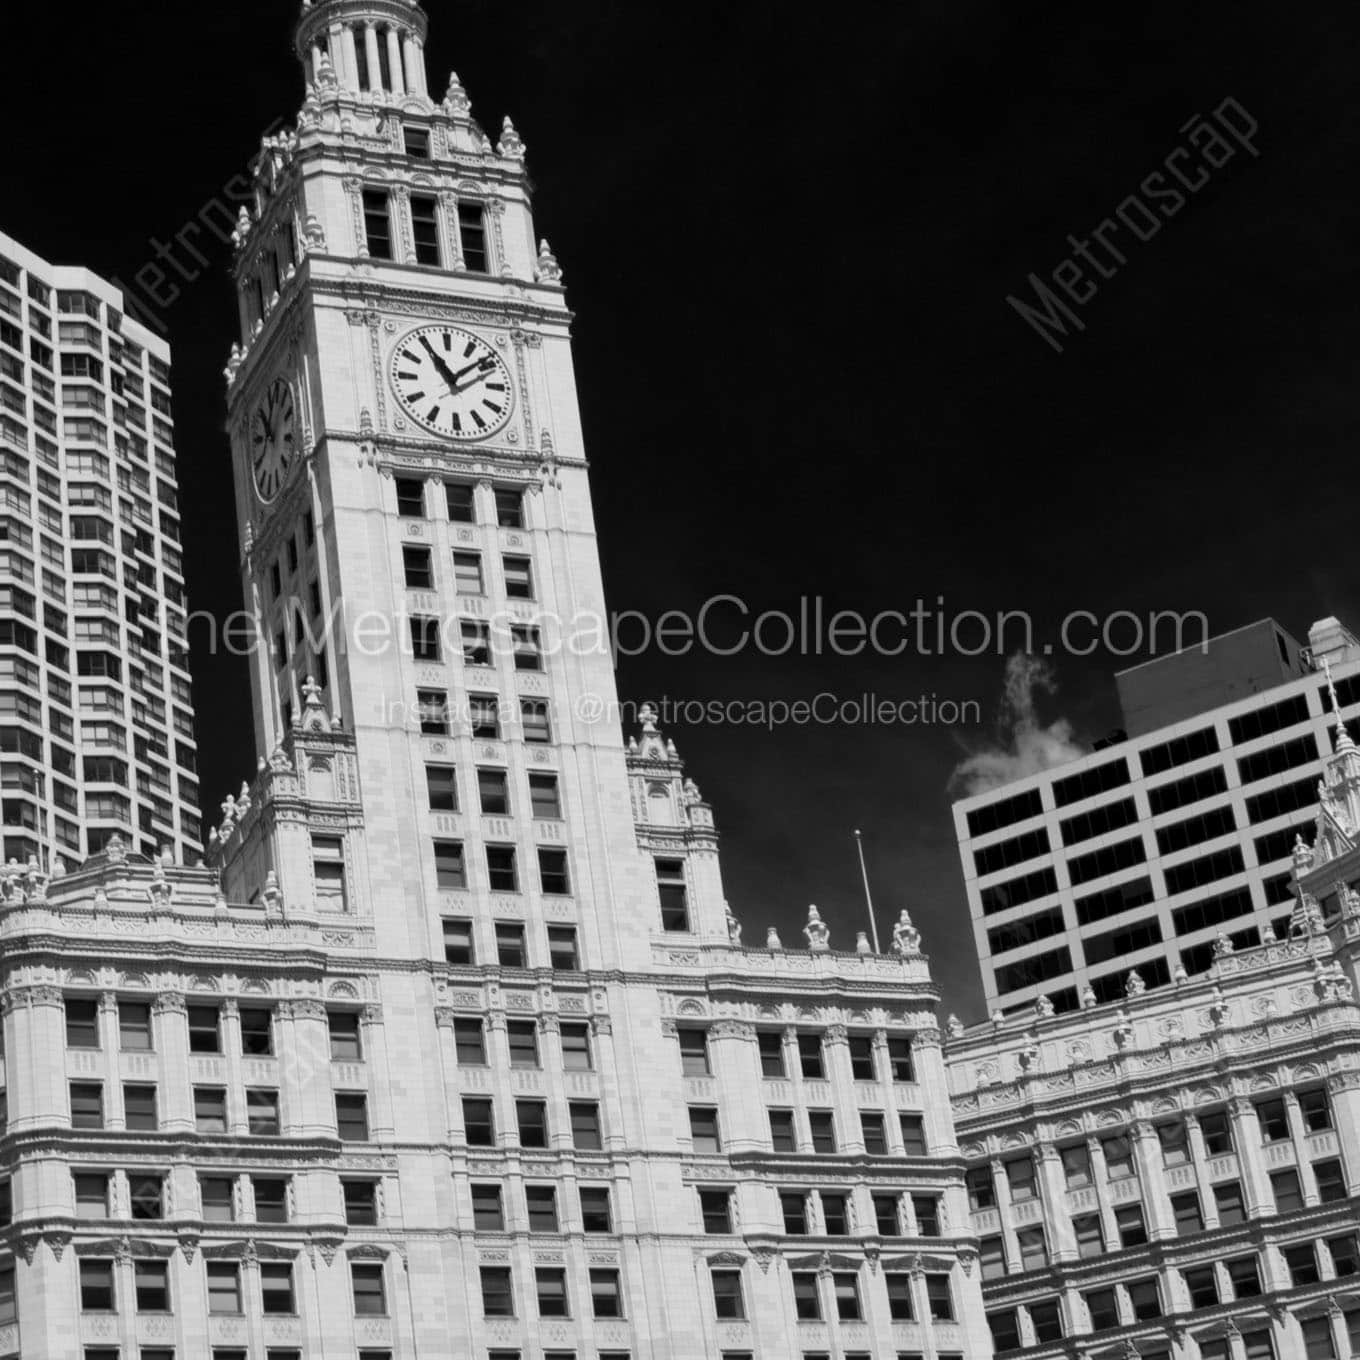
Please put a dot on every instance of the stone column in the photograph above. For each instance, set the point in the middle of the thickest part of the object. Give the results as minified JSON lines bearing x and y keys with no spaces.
{"x":927,"y":1056}
{"x":554,"y":1078}
{"x":410,"y":62}
{"x":1299,"y":1136}
{"x":1100,"y":1182}
{"x":616,"y":1131}
{"x":237,"y":1122}
{"x":174,"y":1095}
{"x":736,"y":1064}
{"x":394,"y":62}
{"x":1251,"y":1168}
{"x":375,"y":80}
{"x":306,"y":1094}
{"x":1147,"y":1159}
{"x":501,"y":1093}
{"x":448,"y":1066}
{"x":35,"y":1045}
{"x":374,"y":1048}
{"x":1005,"y":1210}
{"x":351,"y":78}
{"x":1199,"y":1158}
{"x":1058,"y":1233}
{"x":836,"y":1053}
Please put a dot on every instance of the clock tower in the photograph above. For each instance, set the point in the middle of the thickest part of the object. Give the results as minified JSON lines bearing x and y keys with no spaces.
{"x":536,"y":1098}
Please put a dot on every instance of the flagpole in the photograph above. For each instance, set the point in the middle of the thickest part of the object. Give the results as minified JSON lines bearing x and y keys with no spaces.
{"x":868,"y":900}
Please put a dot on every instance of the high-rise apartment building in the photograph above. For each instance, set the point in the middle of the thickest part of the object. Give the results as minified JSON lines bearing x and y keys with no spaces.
{"x":97,"y":725}
{"x":455,"y":1050}
{"x":1140,"y":854}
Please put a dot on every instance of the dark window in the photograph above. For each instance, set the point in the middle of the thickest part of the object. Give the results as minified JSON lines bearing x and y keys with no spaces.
{"x":552,"y":871}
{"x":1017,"y":934}
{"x":531,"y":1118}
{"x":1331,"y":1182}
{"x":1280,"y":844}
{"x":461,"y":505}
{"x":1088,"y":783}
{"x":782,"y":1138}
{"x":1186,"y":1210}
{"x":96,"y":1285}
{"x":1103,"y":1308}
{"x":1029,"y":972}
{"x":1108,"y":860}
{"x":715,"y":1207}
{"x":771,"y":1045}
{"x":472,"y":232}
{"x":425,"y":226}
{"x":1122,"y":897}
{"x":1099,"y":820}
{"x":1206,"y":869}
{"x":1126,"y":940}
{"x":1004,"y":812}
{"x":1245,"y":1274}
{"x":351,"y":1116}
{"x":1046,"y":1318}
{"x":810,"y":1058}
{"x":442,"y":785}
{"x":1229,"y":1202}
{"x":1289,"y":798}
{"x":596,"y":1216}
{"x":1206,"y":826}
{"x":1212,"y":911}
{"x":82,"y":1023}
{"x":410,"y":497}
{"x":450,"y":869}
{"x":586,"y":1133}
{"x":1201,"y":1284}
{"x":433,"y":706}
{"x":478,"y":1124}
{"x":377,"y":224}
{"x":562,"y":952}
{"x":510,"y":946}
{"x":417,"y":142}
{"x":1016,"y":891}
{"x":694,"y":1053}
{"x":469,"y":1041}
{"x":1261,"y":722}
{"x":1316,"y":1110}
{"x":1193,"y":788}
{"x":1276,"y":759}
{"x":1014,"y":851}
{"x":416,"y":566}
{"x":670,"y":883}
{"x":1110,"y":986}
{"x":1178,"y":751}
{"x":509,"y":508}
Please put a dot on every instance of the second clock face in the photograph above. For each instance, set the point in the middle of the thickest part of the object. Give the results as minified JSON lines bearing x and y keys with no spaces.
{"x":452,"y":382}
{"x":272,"y":438}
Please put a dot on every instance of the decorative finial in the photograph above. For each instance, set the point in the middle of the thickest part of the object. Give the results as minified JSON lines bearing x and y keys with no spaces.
{"x":817,"y":932}
{"x":1088,"y":997}
{"x":1134,"y":984}
{"x":772,"y":940}
{"x":1343,"y":737}
{"x":862,"y":945}
{"x":242,"y":232}
{"x":456,"y":101}
{"x":547,"y":270}
{"x":511,"y":145}
{"x":906,"y":938}
{"x":954,"y":1025}
{"x":647,"y":717}
{"x":1043,"y":1008}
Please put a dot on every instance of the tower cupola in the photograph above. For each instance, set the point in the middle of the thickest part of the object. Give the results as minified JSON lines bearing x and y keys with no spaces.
{"x":374,"y":47}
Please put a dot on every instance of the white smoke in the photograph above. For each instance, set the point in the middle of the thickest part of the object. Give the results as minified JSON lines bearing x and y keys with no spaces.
{"x":1025,"y":747}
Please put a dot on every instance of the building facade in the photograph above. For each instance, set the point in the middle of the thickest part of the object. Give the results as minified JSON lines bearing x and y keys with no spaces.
{"x":1141,"y":854}
{"x":454,"y":1049}
{"x":1175,"y":1176}
{"x":98,"y":724}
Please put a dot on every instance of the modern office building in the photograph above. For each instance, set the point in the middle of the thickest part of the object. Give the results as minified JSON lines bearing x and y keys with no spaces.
{"x":97,"y":732}
{"x":454,"y":1050}
{"x":1139,"y":854}
{"x":1175,"y":1176}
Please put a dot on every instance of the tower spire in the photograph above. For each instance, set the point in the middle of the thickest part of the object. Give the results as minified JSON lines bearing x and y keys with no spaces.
{"x":1343,"y":737}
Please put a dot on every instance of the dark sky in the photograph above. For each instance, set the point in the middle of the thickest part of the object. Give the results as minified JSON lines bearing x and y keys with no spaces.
{"x":789,"y":242}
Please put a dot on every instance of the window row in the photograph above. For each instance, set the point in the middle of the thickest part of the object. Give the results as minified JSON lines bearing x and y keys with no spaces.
{"x":502,"y":868}
{"x":522,"y":1044}
{"x":448,"y":239}
{"x":483,"y":718}
{"x":517,"y":575}
{"x":511,"y":947}
{"x":433,"y":638}
{"x":460,"y":502}
{"x":544,"y":802}
{"x":812,"y":1053}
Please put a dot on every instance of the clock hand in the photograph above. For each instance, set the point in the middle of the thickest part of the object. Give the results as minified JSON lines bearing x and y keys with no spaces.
{"x":444,"y":371}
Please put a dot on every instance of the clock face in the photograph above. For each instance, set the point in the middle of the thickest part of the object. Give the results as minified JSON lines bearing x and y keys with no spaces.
{"x":451,"y":382}
{"x":272,"y":439}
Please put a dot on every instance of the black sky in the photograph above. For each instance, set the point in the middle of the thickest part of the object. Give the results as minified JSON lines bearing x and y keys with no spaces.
{"x":788,"y":242}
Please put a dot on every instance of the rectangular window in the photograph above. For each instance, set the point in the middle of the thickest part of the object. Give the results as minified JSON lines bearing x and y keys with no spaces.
{"x":1005,"y":812}
{"x":1331,"y":1182}
{"x":913,"y":1134}
{"x":410,"y":497}
{"x":992,"y":1256}
{"x":1316,"y":1110}
{"x":1245,"y":1274}
{"x":478,"y":1122}
{"x":1301,"y":1261}
{"x":523,"y":1043}
{"x":782,"y":1137}
{"x":527,"y":644}
{"x":370,"y":1292}
{"x":927,"y":1211}
{"x":806,"y":1296}
{"x":96,"y":1285}
{"x":271,"y":1198}
{"x":425,"y":638}
{"x":822,"y":1124}
{"x":458,"y":947}
{"x":1229,"y":1202}
{"x":467,"y":573}
{"x":1103,"y":1307}
{"x":793,"y":1206}
{"x":139,"y":1107}
{"x":497,"y":1295}
{"x":82,"y":1023}
{"x":715,"y":1209}
{"x":449,"y":868}
{"x":510,"y":947}
{"x":606,"y":1295}
{"x":810,"y":1059}
{"x":1345,"y":1252}
{"x":874,"y":1133}
{"x":205,"y":1034}
{"x":276,"y":1287}
{"x":1217,"y":1133}
{"x":92,"y":1194}
{"x":1033,"y":1248}
{"x":493,"y":792}
{"x":1128,"y":1221}
{"x":694,"y":1053}
{"x":519,"y":578}
{"x":210,"y":1109}
{"x":541,"y":1202}
{"x":562,"y":951}
{"x":328,"y":873}
{"x":472,"y":234}
{"x":1089,"y":1235}
{"x":586,"y":1135}
{"x":377,"y":224}
{"x":1185,"y":1208}
{"x":703,"y":1127}
{"x":981,"y":1190}
{"x":425,"y":224}
{"x":351,"y":1116}
{"x":257,"y":1030}
{"x":1144,"y":1299}
{"x":134,"y":1025}
{"x":1088,"y":783}
{"x":488,"y":1213}
{"x":262,"y":1111}
{"x":147,"y":1195}
{"x":433,"y":707}
{"x":771,"y":1044}
{"x":1003,"y":854}
{"x":531,"y":1119}
{"x":835,"y":1219}
{"x":940,"y":1298}
{"x":533,"y":717}
{"x":550,"y":1285}
{"x":509,"y":508}
{"x":596,"y":1216}
{"x":670,"y":884}
{"x":345,"y":1041}
{"x":460,"y":500}
{"x":442,"y":785}
{"x":469,"y":1041}
{"x":224,"y":1287}
{"x":728,"y":1302}
{"x":416,"y":567}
